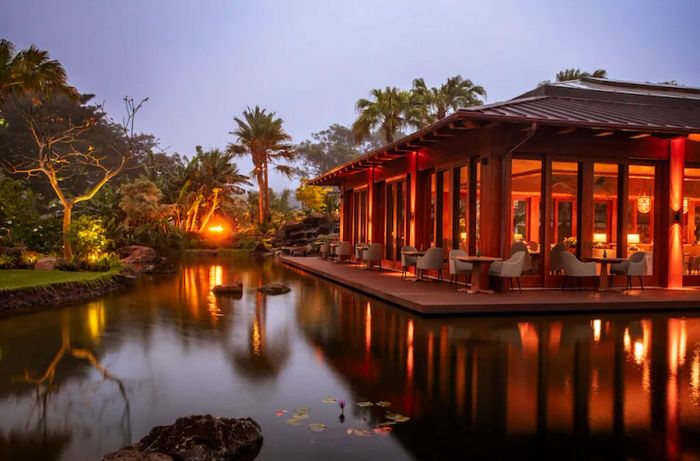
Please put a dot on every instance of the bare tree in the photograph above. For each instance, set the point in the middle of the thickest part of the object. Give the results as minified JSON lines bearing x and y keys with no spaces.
{"x":62,"y":152}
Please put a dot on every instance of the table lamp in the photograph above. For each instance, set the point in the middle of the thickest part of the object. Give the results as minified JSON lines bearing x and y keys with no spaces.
{"x":600,"y":239}
{"x":632,"y":241}
{"x":518,"y":237}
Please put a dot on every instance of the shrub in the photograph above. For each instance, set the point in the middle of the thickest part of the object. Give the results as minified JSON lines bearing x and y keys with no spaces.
{"x":89,"y":238}
{"x":7,"y":261}
{"x":28,"y":258}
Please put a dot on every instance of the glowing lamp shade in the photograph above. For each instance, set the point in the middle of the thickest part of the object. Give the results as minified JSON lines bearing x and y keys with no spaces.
{"x":600,"y":237}
{"x":518,"y":237}
{"x":463,"y":236}
{"x":633,"y":239}
{"x":644,"y":204}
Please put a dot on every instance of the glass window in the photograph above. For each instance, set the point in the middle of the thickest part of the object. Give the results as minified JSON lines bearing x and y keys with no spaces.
{"x":463,"y":206}
{"x":433,"y":205}
{"x":691,"y":207}
{"x":526,"y":187}
{"x":564,"y":201}
{"x":446,"y":219}
{"x":640,"y":211}
{"x":605,"y":208}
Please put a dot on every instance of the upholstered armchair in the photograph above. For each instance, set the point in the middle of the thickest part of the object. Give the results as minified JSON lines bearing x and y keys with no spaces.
{"x":359,"y":249}
{"x":634,"y":266}
{"x":430,"y":261}
{"x":373,"y":255}
{"x":527,"y":259}
{"x":555,"y":265}
{"x":406,"y":260}
{"x":576,"y":269}
{"x":344,"y":251}
{"x":510,"y":269}
{"x":458,"y":268}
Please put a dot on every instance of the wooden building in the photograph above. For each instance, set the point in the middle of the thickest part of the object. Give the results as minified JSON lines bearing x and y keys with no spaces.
{"x":604,"y":165}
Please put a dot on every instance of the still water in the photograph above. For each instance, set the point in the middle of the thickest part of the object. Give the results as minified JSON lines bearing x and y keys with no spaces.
{"x":583,"y":387}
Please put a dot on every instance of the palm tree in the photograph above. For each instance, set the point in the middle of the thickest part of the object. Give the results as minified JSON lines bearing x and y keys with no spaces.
{"x":260,"y":134}
{"x":206,"y":176}
{"x":30,"y":71}
{"x":431,"y":104}
{"x":576,"y":74}
{"x":387,"y":111}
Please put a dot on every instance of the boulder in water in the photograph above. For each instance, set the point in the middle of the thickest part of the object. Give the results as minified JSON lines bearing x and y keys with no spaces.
{"x":230,"y":289}
{"x":197,"y":438}
{"x":274,"y":289}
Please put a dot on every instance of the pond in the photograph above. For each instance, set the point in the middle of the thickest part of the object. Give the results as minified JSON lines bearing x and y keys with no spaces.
{"x":589,"y":387}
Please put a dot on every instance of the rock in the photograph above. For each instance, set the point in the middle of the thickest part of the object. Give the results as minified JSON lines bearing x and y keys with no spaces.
{"x":233,"y":288}
{"x":197,"y":438}
{"x":138,"y":254}
{"x":160,"y":267}
{"x":259,"y":249}
{"x":133,"y":454}
{"x":47,"y":263}
{"x":274,"y":289}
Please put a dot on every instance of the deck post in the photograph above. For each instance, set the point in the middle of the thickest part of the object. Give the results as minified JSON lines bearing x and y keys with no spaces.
{"x":676,"y":165}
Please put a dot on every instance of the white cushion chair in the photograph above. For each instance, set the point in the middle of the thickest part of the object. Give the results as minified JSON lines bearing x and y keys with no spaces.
{"x":555,"y":265}
{"x":522,"y":246}
{"x":324,"y":249}
{"x":373,"y":255}
{"x":574,"y":268}
{"x":510,"y":269}
{"x":343,"y":251}
{"x":430,"y":261}
{"x":634,"y":266}
{"x":458,"y":268}
{"x":406,"y":260}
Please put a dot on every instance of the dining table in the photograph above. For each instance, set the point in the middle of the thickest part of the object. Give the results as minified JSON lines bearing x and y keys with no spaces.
{"x":477,"y":263}
{"x":604,"y":266}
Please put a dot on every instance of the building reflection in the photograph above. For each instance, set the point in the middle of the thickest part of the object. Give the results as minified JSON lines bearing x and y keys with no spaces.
{"x":574,"y":382}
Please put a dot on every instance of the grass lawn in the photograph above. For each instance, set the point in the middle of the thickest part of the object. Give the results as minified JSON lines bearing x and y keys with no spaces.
{"x":15,"y":278}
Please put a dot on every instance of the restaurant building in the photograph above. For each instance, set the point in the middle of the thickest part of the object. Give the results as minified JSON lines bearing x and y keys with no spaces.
{"x":602,"y":165}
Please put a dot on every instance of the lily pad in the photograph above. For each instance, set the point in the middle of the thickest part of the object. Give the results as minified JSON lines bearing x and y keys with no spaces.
{"x":293,"y":421}
{"x":382,"y":403}
{"x":329,"y":400}
{"x":399,"y":418}
{"x":364,"y":404}
{"x":387,"y":423}
{"x":317,"y":427}
{"x":359,"y":432}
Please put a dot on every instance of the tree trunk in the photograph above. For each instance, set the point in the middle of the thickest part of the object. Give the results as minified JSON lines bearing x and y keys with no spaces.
{"x":67,"y":216}
{"x":212,"y":209}
{"x":261,"y":198}
{"x":267,"y":195}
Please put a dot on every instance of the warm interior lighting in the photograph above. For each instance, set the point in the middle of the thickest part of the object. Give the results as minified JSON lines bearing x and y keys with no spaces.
{"x":463,"y":236}
{"x":604,"y":133}
{"x":518,"y":237}
{"x":644,"y":204}
{"x":633,"y":239}
{"x":600,"y":237}
{"x":694,"y":137}
{"x":685,"y":205}
{"x":640,"y":135}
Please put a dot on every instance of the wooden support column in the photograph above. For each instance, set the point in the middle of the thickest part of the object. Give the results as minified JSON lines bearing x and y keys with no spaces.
{"x":346,"y":216}
{"x":677,"y":152}
{"x":623,"y":187}
{"x":491,"y":214}
{"x":586,"y":210}
{"x":412,"y":200}
{"x":546,"y":228}
{"x":370,"y":203}
{"x":471,"y":204}
{"x":378,"y":212}
{"x":454,"y":196}
{"x":439,"y":208}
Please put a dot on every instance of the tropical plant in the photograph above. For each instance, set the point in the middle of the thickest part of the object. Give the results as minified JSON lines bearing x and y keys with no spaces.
{"x":261,"y":136}
{"x":88,"y":237}
{"x":210,"y":177}
{"x":317,"y":199}
{"x":431,"y":104}
{"x":576,"y":74}
{"x":30,"y":71}
{"x":385,"y":112}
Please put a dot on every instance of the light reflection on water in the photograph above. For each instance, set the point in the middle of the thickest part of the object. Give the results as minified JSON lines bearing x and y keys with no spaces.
{"x":618,"y":386}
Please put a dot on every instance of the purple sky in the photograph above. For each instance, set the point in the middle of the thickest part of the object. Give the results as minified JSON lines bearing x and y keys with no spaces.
{"x":202,"y":62}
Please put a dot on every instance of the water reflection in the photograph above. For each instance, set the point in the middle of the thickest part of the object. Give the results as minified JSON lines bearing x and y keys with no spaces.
{"x":592,"y":387}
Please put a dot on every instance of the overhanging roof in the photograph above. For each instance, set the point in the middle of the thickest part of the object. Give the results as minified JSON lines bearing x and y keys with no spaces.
{"x":642,"y":108}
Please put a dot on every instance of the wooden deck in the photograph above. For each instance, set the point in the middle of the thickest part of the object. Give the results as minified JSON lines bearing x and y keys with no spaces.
{"x":438,"y":299}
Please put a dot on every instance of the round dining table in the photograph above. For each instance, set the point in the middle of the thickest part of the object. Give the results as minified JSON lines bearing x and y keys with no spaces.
{"x":604,"y":265}
{"x":477,"y":263}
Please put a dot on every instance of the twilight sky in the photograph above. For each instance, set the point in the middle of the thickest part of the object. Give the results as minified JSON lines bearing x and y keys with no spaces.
{"x":202,"y":62}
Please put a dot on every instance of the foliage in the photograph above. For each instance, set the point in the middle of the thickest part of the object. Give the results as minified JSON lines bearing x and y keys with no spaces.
{"x":88,"y":236}
{"x":210,"y":178}
{"x":330,"y":148}
{"x":576,"y":74}
{"x":317,"y":199}
{"x":429,"y":105}
{"x":386,"y":112}
{"x":392,"y":109}
{"x":260,"y":135}
{"x":140,"y":200}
